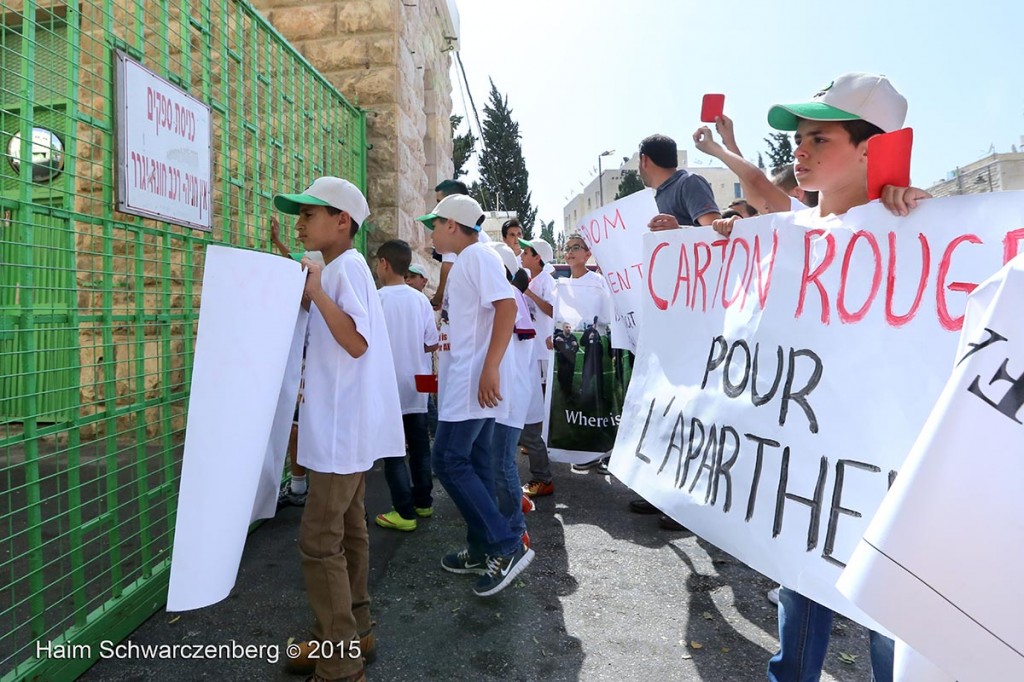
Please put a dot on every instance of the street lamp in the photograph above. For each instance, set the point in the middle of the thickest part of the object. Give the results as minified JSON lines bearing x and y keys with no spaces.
{"x":600,"y":179}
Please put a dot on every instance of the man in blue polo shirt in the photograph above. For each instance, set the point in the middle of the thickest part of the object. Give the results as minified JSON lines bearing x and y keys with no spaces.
{"x":682,"y":198}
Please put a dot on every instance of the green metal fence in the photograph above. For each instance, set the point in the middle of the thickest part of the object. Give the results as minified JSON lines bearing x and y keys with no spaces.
{"x":98,"y":309}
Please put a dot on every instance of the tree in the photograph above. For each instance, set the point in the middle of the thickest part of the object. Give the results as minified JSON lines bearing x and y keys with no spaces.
{"x":504,"y":181}
{"x":760,"y":161}
{"x":629,"y":184}
{"x":547,"y":231}
{"x":780,"y":150}
{"x":463,"y":147}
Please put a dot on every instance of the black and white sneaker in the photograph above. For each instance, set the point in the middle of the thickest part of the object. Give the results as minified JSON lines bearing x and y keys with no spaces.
{"x":587,"y":466}
{"x":286,"y":498}
{"x":502,"y":570}
{"x":462,"y":562}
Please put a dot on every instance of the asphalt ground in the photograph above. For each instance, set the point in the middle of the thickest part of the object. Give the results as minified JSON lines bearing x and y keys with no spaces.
{"x":609,"y":596}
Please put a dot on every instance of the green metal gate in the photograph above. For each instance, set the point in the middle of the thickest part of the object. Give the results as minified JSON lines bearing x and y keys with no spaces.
{"x":98,"y":309}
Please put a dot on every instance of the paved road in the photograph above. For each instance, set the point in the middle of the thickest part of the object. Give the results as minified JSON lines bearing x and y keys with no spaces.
{"x":610,"y":596}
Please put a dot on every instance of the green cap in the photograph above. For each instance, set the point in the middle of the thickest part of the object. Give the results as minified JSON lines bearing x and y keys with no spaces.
{"x":428,"y":220}
{"x":787,"y":116}
{"x":292,"y":203}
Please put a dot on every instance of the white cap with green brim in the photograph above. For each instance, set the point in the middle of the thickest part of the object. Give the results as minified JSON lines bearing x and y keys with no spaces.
{"x":418,"y":270}
{"x":327,"y":191}
{"x":851,"y":97}
{"x":543,"y":249}
{"x":458,"y":207}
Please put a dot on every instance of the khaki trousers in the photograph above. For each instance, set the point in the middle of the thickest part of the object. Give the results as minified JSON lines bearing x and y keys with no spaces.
{"x":335,"y":549}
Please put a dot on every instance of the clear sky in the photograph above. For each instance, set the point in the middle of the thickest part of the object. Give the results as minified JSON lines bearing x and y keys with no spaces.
{"x":585,"y":76}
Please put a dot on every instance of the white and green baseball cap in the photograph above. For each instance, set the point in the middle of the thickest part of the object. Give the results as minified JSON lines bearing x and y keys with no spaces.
{"x":851,"y":97}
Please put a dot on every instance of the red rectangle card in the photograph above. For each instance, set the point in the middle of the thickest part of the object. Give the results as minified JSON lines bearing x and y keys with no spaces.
{"x":711,"y":108}
{"x":889,"y":161}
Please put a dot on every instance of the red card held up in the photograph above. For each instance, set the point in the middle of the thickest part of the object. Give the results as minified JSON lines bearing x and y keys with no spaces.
{"x":889,"y":161}
{"x":711,"y":108}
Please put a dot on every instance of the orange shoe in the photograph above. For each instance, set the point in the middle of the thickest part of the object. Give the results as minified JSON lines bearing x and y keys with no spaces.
{"x":528,"y":505}
{"x":538,"y":489}
{"x":526,"y":539}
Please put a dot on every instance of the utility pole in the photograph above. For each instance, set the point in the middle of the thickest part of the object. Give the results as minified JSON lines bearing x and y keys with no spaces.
{"x":600,"y":177}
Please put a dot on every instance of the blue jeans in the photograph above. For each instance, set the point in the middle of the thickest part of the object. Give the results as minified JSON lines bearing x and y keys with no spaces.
{"x":411,"y":486}
{"x":508,"y":489}
{"x":804,"y":630}
{"x":462,"y":461}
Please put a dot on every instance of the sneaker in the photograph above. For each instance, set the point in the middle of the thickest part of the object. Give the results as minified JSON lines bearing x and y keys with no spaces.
{"x":424,"y":512}
{"x":587,"y":466}
{"x":501,"y":571}
{"x":526,"y":539}
{"x":462,"y":562}
{"x":666,"y":522}
{"x":528,"y":505}
{"x":641,"y":506}
{"x":773,"y":595}
{"x":538,"y":489}
{"x":395,"y":520}
{"x":286,"y":498}
{"x":602,"y":466}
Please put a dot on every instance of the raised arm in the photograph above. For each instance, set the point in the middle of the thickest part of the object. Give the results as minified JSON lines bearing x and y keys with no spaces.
{"x":758,"y":189}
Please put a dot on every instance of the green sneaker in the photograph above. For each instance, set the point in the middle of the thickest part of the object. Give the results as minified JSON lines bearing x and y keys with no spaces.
{"x":424,"y":512}
{"x":394,"y":520}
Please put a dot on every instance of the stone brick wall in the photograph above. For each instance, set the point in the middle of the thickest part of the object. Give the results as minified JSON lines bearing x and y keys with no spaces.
{"x":390,"y":58}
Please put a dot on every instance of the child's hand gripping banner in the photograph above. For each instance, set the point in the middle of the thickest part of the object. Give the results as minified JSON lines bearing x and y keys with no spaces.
{"x":784,"y":374}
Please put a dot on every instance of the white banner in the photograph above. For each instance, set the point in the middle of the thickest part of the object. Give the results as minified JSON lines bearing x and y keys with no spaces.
{"x":949,"y":539}
{"x":614,"y":233}
{"x":244,"y":348}
{"x":784,"y":374}
{"x":587,"y":379}
{"x":163,"y":149}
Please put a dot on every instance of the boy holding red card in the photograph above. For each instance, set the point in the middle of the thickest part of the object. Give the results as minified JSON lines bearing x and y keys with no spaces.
{"x":831,"y":157}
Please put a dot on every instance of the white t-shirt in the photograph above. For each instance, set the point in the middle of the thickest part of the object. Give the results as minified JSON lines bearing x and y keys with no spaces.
{"x":350,"y":415}
{"x":476,"y":281}
{"x":410,"y":322}
{"x":543,"y":285}
{"x":795,"y":205}
{"x":523,"y":379}
{"x":593,"y":279}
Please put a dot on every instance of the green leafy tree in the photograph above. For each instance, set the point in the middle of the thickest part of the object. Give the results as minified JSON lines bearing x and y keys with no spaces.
{"x":780,"y":150}
{"x":504,"y":180}
{"x":463,"y":147}
{"x":629,"y":184}
{"x":547,"y":231}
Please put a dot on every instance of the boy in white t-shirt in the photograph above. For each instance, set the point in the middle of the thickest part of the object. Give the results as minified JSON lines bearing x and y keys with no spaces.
{"x":413,"y":334}
{"x":537,"y":256}
{"x":524,"y":388}
{"x":349,"y":418}
{"x":480,"y":312}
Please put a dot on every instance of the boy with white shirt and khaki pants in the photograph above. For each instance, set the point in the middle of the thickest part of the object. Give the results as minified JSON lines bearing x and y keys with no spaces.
{"x":480,"y":312}
{"x":350,"y":417}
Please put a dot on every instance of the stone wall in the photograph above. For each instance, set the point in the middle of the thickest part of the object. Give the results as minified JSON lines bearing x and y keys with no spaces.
{"x":392,"y":59}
